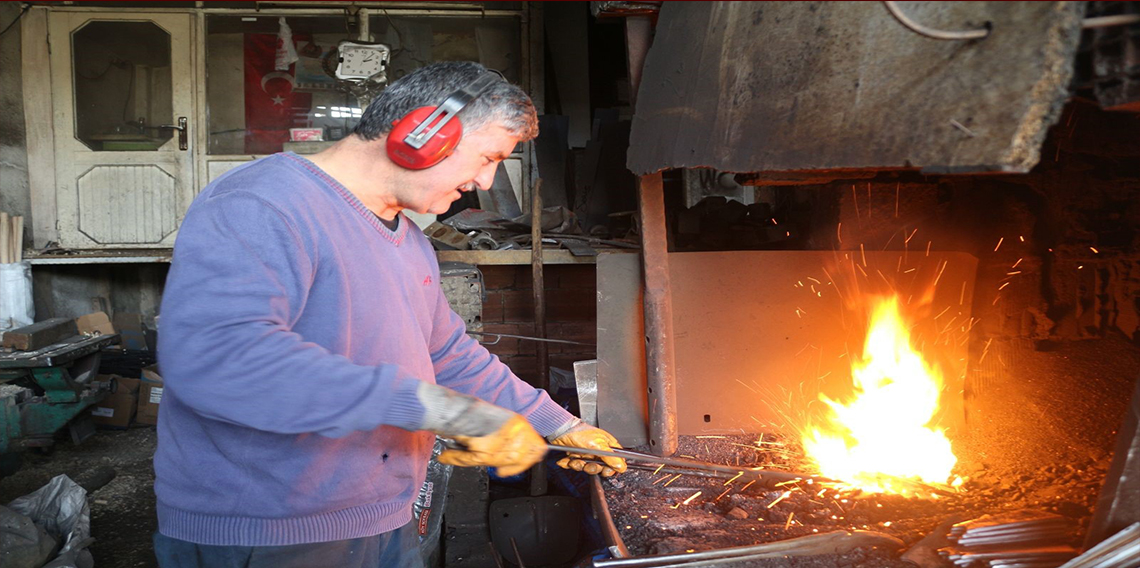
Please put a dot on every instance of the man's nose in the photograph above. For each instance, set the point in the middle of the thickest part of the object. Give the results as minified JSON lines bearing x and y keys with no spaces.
{"x":486,"y":177}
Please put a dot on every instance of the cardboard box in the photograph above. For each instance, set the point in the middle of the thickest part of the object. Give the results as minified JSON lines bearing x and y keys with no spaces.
{"x":95,"y":324}
{"x":150,"y":396}
{"x":131,"y":330}
{"x":117,"y":410}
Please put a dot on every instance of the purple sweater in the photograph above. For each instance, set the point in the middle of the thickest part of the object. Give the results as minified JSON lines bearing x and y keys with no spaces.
{"x":295,"y":328}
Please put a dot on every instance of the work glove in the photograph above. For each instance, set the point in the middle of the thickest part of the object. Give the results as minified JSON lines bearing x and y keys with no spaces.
{"x":578,"y":434}
{"x":485,"y":434}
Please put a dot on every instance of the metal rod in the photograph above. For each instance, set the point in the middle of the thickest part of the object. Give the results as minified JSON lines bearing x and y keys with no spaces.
{"x":800,"y":546}
{"x":932,"y":33}
{"x":529,"y":338}
{"x":683,"y":471}
{"x":763,"y":476}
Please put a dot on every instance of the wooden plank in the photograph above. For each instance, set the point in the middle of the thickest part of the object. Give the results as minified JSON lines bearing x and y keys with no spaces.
{"x":36,"y":74}
{"x":40,"y":334}
{"x":520,"y":257}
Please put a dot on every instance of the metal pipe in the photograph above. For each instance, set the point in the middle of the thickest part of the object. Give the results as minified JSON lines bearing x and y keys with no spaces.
{"x":932,"y":33}
{"x":1088,"y":24}
{"x":1109,"y":21}
{"x":661,"y":387}
{"x":602,"y":514}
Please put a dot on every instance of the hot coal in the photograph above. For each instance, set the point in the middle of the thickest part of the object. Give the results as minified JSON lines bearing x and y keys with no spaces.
{"x":649,"y":510}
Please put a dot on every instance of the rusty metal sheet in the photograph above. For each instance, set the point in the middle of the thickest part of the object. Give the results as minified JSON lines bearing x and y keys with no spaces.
{"x":788,"y":86}
{"x":621,"y":391}
{"x":757,"y":338}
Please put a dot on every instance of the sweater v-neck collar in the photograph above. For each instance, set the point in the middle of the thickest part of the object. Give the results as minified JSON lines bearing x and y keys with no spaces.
{"x":396,"y":237}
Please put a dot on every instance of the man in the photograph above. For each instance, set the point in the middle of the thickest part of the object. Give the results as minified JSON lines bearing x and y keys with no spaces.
{"x":310,"y":356}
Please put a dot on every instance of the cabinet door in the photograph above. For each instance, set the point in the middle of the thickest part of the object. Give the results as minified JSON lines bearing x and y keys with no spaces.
{"x":123,"y":107}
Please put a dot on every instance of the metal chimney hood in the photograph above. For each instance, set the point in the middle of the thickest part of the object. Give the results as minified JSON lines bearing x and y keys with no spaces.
{"x":808,"y":86}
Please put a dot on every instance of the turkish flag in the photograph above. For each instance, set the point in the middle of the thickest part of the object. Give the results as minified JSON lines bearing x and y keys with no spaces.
{"x":272,"y":107}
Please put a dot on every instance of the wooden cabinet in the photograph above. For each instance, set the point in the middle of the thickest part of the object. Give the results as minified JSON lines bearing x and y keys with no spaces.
{"x":131,"y":113}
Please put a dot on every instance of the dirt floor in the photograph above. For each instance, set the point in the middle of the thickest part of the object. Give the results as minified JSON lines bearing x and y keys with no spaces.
{"x":122,"y":512}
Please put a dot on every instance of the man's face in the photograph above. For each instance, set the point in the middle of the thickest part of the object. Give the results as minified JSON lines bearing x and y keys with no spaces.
{"x":472,"y":166}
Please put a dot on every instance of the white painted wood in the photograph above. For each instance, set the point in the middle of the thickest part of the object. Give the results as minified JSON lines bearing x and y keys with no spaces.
{"x":36,"y":74}
{"x":201,"y":135}
{"x":120,"y":199}
{"x":215,"y":168}
{"x":127,"y":204}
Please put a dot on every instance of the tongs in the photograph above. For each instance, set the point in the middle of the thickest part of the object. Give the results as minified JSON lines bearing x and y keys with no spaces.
{"x":764,"y":477}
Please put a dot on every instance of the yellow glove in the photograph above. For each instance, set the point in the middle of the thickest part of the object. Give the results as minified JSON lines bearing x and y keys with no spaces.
{"x":582,"y":435}
{"x":512,"y":449}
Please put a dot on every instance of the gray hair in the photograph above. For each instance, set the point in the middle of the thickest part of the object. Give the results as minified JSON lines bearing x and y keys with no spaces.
{"x":503,"y":104}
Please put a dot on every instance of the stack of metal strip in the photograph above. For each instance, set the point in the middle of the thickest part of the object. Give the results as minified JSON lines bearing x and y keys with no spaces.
{"x":1018,"y":539}
{"x":1121,"y":550}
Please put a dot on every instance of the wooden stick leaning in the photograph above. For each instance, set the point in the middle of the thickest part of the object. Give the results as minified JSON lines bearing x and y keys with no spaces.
{"x":18,"y":239}
{"x":4,"y":235}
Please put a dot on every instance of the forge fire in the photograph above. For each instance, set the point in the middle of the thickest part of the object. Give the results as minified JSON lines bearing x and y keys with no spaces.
{"x":884,"y":431}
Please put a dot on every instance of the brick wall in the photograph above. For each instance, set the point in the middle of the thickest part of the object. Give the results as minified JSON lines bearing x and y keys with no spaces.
{"x":571,"y":314}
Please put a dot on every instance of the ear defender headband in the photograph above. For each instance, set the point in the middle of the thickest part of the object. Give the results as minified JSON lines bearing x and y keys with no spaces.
{"x":427,"y":135}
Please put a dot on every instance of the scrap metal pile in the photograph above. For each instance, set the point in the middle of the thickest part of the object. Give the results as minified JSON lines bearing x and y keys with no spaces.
{"x":1023,"y":538}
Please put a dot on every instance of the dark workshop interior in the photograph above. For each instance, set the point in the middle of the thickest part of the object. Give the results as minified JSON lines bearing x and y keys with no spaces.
{"x":852,"y":283}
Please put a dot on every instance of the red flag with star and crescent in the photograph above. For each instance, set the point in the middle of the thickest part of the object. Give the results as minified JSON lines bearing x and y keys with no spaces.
{"x":272,"y":106}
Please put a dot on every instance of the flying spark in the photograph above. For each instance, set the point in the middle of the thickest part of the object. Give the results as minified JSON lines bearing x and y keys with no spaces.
{"x":782,"y":496}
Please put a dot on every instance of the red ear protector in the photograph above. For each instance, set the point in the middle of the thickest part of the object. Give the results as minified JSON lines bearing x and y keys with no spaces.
{"x":427,"y":135}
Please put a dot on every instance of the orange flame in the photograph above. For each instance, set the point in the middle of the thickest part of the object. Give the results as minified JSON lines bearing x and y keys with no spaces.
{"x":884,"y":432}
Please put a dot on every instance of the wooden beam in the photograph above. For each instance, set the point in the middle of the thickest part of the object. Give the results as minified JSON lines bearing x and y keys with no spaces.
{"x":36,"y":76}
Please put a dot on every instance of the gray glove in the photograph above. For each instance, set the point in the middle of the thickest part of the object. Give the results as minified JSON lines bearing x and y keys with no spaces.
{"x":489,"y":435}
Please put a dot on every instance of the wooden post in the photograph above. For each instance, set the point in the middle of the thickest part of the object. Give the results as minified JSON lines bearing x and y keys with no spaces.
{"x":538,"y":484}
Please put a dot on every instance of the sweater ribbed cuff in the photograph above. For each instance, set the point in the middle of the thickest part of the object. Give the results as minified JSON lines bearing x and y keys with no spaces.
{"x":404,"y":409}
{"x":549,"y":417}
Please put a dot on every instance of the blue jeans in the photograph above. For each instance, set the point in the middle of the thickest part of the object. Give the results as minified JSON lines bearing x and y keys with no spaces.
{"x":396,"y":549}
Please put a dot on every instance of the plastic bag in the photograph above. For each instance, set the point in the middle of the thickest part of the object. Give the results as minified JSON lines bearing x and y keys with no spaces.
{"x":16,"y":308}
{"x":61,"y":509}
{"x":23,"y":544}
{"x":427,"y":511}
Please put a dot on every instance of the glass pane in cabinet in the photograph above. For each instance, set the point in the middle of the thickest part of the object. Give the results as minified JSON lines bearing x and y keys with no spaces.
{"x":256,"y":105}
{"x":122,"y":85}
